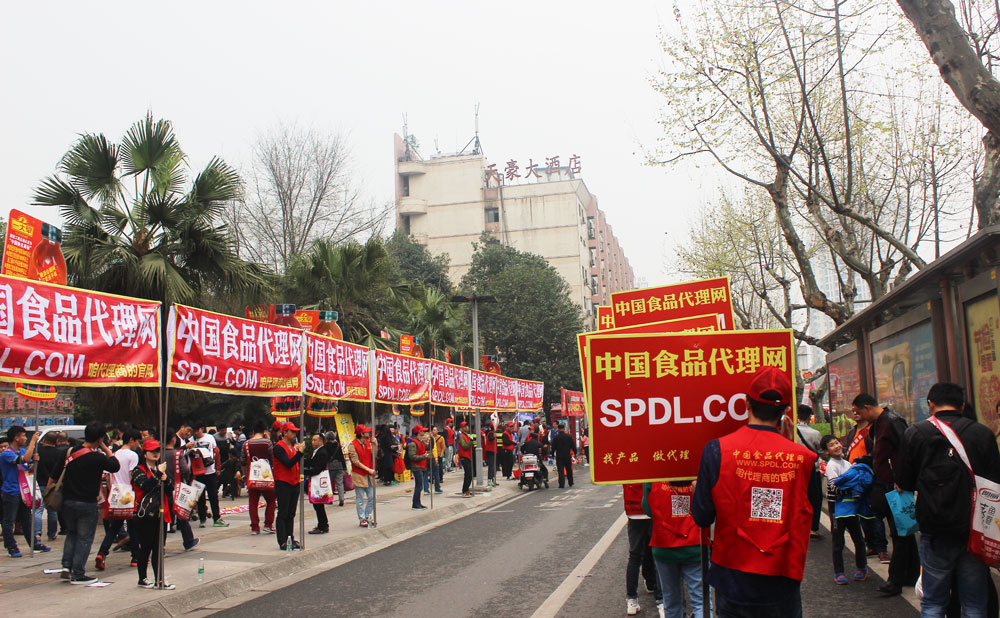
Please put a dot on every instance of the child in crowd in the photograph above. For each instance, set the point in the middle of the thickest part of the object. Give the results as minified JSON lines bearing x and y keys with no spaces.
{"x":849,"y":486}
{"x":229,"y":476}
{"x":676,"y":543}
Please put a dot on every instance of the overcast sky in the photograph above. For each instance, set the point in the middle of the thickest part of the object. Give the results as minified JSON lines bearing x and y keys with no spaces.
{"x":551,"y":78}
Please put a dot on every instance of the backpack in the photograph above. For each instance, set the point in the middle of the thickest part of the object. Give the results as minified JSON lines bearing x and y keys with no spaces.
{"x":943,"y":484}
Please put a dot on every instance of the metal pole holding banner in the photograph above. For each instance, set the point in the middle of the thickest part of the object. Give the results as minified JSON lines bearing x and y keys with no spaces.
{"x":372,"y":384}
{"x":475,"y":358}
{"x":302,"y":476}
{"x":705,"y":592}
{"x":34,"y":482}
{"x":163,"y":398}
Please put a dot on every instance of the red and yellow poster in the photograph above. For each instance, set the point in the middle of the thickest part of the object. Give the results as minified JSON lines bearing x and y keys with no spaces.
{"x":530,"y":395}
{"x":679,"y":300}
{"x":506,"y":399}
{"x":336,"y":369}
{"x":656,"y":400}
{"x":23,"y":233}
{"x":406,"y":345}
{"x":56,"y":335}
{"x":225,"y":354}
{"x":982,"y":327}
{"x":483,"y":390}
{"x":573,"y":403}
{"x":401,"y":379}
{"x":605,"y":317}
{"x":449,"y":384}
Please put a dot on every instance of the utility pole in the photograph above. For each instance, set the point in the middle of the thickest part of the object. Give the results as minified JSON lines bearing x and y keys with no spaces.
{"x":475,"y":300}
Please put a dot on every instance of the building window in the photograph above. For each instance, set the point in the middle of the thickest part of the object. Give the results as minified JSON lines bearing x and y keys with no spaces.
{"x":406,"y":186}
{"x":406,"y":224}
{"x":593,"y":257}
{"x":590,"y":228}
{"x":492,"y":215}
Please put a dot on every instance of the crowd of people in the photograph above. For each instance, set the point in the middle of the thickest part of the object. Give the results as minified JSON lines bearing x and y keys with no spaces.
{"x":762,"y":493}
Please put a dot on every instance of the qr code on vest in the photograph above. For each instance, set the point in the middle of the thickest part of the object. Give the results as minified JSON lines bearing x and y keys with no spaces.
{"x":765,"y":503}
{"x":680,"y":506}
{"x":987,"y":513}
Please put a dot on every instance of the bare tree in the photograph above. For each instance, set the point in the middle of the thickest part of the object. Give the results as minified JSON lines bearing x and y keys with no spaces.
{"x":301,"y":187}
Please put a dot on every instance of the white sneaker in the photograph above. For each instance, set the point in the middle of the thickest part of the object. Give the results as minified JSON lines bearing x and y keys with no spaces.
{"x":632,"y":606}
{"x":660,"y":609}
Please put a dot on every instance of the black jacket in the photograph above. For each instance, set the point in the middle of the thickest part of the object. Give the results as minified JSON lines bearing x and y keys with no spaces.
{"x":563,"y":445}
{"x":318,"y":462}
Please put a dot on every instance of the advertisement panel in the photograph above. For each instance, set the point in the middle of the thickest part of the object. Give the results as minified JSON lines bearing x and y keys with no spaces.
{"x":506,"y":399}
{"x":905,"y":370}
{"x":572,"y":403}
{"x":56,"y":335}
{"x":483,"y":392}
{"x":225,"y":354}
{"x":656,"y":400}
{"x":605,"y":317}
{"x":401,"y":379}
{"x":678,"y":300}
{"x":336,"y":369}
{"x":530,"y":395}
{"x":982,"y":321}
{"x":844,"y":386}
{"x":24,"y":232}
{"x":449,"y":384}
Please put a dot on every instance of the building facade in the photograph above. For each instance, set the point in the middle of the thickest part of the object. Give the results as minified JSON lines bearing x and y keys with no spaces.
{"x":446,"y":202}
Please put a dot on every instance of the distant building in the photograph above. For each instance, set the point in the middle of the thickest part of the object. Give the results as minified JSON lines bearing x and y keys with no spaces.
{"x":446,"y":202}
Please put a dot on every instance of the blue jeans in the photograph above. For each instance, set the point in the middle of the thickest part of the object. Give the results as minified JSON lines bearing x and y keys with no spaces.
{"x":946,"y":560}
{"x":81,"y":523}
{"x":419,"y":483}
{"x":364,"y":499}
{"x":674,"y":575}
{"x":14,"y":510}
{"x":790,"y":607}
{"x":439,"y":474}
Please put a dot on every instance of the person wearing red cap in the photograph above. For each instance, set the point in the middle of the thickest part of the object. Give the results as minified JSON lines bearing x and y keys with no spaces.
{"x":754,"y":484}
{"x":465,"y":457}
{"x":507,"y":442}
{"x":449,"y":440}
{"x":287,"y":454}
{"x":152,"y":483}
{"x":363,"y":452}
{"x":418,"y":455}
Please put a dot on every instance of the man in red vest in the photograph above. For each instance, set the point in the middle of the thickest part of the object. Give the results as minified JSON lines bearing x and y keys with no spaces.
{"x":640,"y":554}
{"x":754,"y":485}
{"x":507,"y":451}
{"x":287,"y":454}
{"x":418,"y":454}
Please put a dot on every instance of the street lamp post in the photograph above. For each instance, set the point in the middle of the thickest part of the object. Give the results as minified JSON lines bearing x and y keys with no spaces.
{"x":475,"y":300}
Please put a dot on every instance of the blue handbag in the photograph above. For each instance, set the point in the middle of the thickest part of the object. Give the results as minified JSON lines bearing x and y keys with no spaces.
{"x":904,"y":509}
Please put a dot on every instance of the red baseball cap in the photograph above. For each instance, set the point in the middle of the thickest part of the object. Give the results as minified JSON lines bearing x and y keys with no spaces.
{"x":419,"y":428}
{"x":463,"y":424}
{"x":770,"y":385}
{"x":276,"y":425}
{"x":360,"y":429}
{"x":150,"y":445}
{"x":289,"y":426}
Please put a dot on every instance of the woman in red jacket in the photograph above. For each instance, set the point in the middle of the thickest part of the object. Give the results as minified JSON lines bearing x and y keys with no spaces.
{"x":152,"y":484}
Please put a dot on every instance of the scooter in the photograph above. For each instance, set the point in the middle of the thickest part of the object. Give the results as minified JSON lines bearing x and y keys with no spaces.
{"x":531,"y":475}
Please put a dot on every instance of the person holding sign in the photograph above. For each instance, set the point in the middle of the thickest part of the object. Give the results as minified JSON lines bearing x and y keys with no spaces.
{"x":754,"y":484}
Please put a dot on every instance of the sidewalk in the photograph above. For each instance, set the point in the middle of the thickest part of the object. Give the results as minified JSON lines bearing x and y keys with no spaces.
{"x":235,"y":560}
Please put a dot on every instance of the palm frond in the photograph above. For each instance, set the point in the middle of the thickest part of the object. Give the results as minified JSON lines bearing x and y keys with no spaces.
{"x":148,"y":146}
{"x":216,"y":186}
{"x":158,"y":273}
{"x":92,"y":164}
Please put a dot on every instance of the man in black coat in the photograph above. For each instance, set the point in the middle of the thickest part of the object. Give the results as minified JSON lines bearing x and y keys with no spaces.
{"x":564,"y":449}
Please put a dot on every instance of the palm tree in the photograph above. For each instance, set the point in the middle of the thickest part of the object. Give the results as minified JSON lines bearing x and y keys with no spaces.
{"x":134,"y":227}
{"x":429,"y":314}
{"x":351,"y":278}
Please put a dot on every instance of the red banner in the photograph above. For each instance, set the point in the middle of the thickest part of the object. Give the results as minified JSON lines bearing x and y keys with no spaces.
{"x":483,"y":391}
{"x":529,"y":396}
{"x":656,"y":400}
{"x":401,"y":379}
{"x":679,"y":300}
{"x":449,"y":384}
{"x":57,"y":335}
{"x":605,"y":317}
{"x":506,"y":399}
{"x":572,"y":403}
{"x":695,"y":324}
{"x":336,"y":369}
{"x":225,"y":354}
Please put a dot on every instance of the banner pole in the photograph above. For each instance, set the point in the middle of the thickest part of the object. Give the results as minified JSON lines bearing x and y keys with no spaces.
{"x":372,"y":383}
{"x":302,"y":476}
{"x":34,"y":483}
{"x":163,"y":398}
{"x":705,"y":602}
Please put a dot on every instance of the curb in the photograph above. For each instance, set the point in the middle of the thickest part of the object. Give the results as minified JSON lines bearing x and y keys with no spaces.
{"x":202,"y":596}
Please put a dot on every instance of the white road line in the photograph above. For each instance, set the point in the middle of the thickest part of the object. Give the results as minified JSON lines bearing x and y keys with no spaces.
{"x":560,"y":595}
{"x":504,"y":503}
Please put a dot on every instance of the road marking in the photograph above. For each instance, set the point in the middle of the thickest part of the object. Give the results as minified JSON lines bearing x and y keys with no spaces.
{"x":504,"y":503}
{"x":560,"y":595}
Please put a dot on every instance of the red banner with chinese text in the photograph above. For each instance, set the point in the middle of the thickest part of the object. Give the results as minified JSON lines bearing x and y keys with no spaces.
{"x":529,"y":396}
{"x":225,"y":354}
{"x":56,"y":335}
{"x":694,"y":324}
{"x":605,"y":317}
{"x":401,"y":379}
{"x":449,"y":384}
{"x":483,"y":390}
{"x":573,"y":403}
{"x":654,"y":401}
{"x":506,"y":397}
{"x":336,"y":369}
{"x":679,"y":300}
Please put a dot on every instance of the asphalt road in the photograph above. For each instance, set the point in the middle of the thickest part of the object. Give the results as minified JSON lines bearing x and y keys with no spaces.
{"x":508,"y":559}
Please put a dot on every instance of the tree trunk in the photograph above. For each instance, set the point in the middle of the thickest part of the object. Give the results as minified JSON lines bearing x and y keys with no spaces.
{"x":987,"y":186}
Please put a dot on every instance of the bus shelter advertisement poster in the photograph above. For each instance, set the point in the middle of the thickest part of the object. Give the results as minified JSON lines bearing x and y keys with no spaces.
{"x":845,"y":385}
{"x":905,"y":369}
{"x":982,"y":320}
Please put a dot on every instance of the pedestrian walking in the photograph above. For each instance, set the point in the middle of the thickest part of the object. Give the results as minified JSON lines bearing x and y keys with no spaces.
{"x":676,"y":547}
{"x":259,"y":448}
{"x":177,"y":461}
{"x":761,"y":521}
{"x":153,"y":484}
{"x":887,"y":434}
{"x":939,"y":458}
{"x":318,"y":463}
{"x":337,"y":464}
{"x":287,"y":453}
{"x":564,"y":450}
{"x":418,"y":456}
{"x":363,"y":453}
{"x":464,"y":443}
{"x":81,"y":482}
{"x":208,"y":448}
{"x":128,"y":456}
{"x":14,"y":463}
{"x":437,"y":461}
{"x":849,"y":487}
{"x":490,"y":453}
{"x":507,"y":443}
{"x":858,"y":443}
{"x":810,"y":438}
{"x":449,"y":440}
{"x":640,"y":555}
{"x":49,"y":458}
